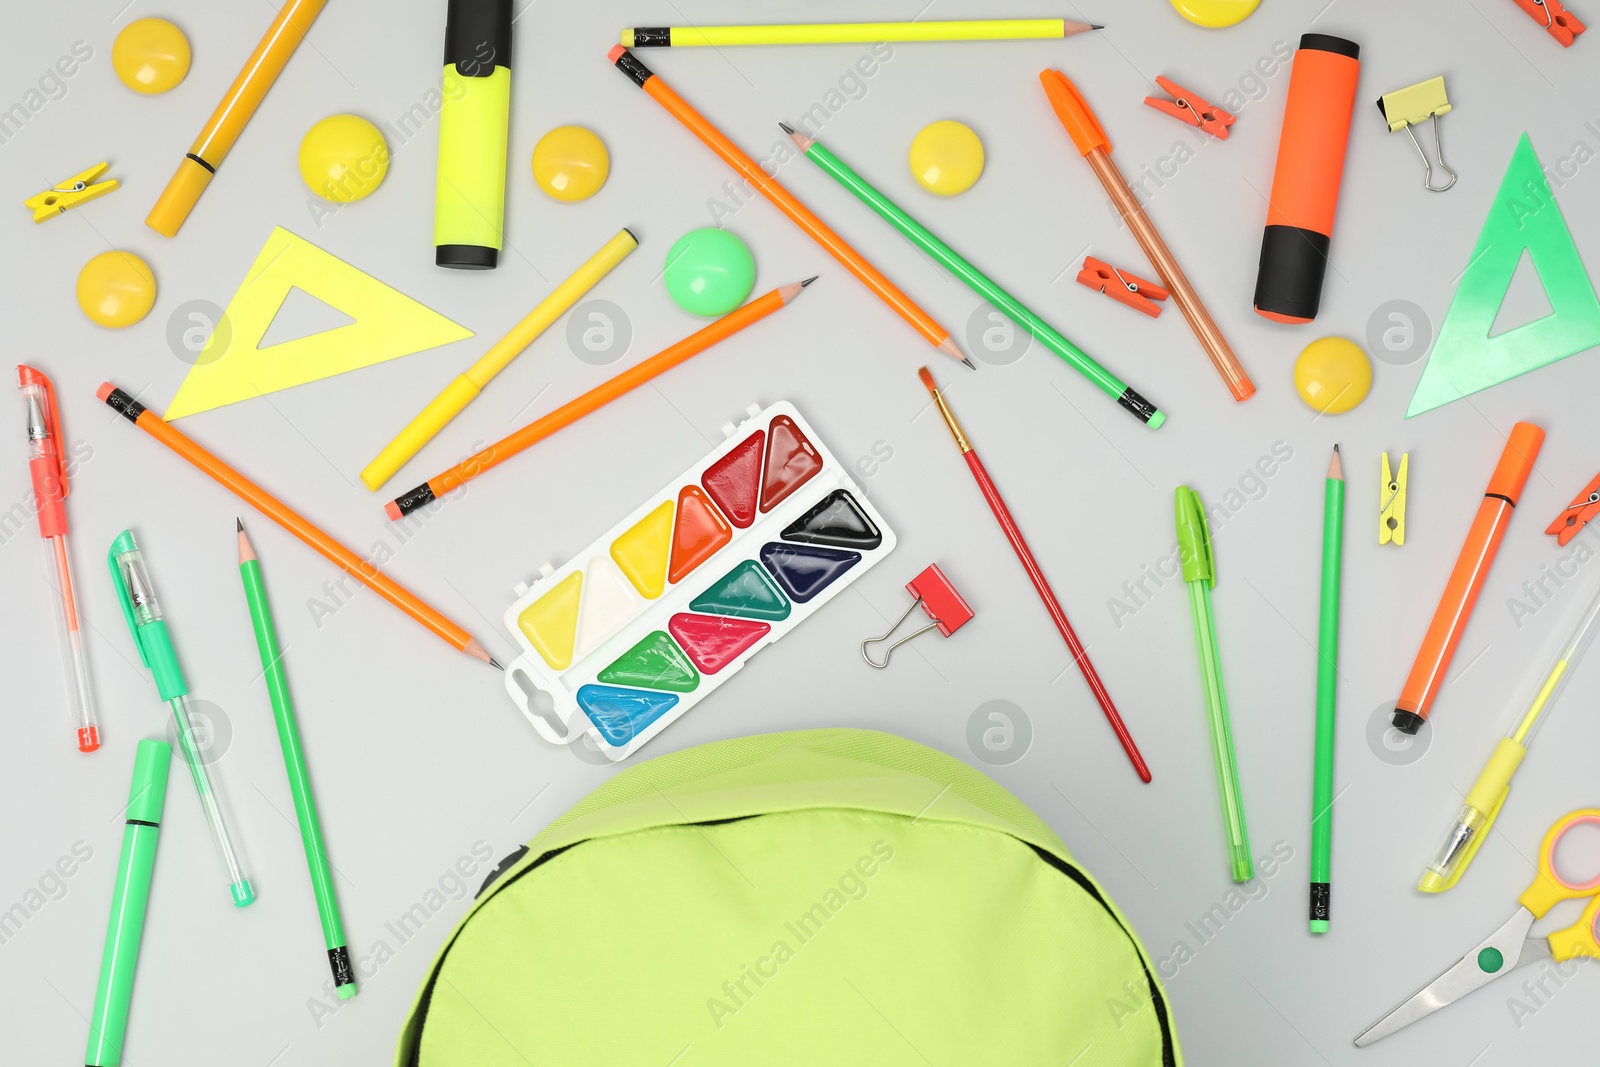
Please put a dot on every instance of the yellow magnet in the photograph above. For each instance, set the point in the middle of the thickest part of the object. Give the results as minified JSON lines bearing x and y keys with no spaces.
{"x":1215,"y":13}
{"x":946,"y":158}
{"x":570,"y":163}
{"x":150,"y":56}
{"x":1332,"y":375}
{"x":343,"y":158}
{"x":116,"y":289}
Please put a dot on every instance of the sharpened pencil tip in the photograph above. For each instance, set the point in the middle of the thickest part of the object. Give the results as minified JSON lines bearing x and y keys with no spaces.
{"x":809,"y":280}
{"x":968,"y":361}
{"x":1092,"y":26}
{"x":1335,"y":467}
{"x":237,"y":525}
{"x":495,"y":664}
{"x":785,"y":127}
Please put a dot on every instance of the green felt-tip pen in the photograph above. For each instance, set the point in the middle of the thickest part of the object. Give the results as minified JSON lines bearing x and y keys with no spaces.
{"x":125,"y":928}
{"x":294,"y":763}
{"x":1327,"y":694}
{"x":149,"y":629}
{"x":1200,"y":576}
{"x":469,"y":206}
{"x":979,"y":282}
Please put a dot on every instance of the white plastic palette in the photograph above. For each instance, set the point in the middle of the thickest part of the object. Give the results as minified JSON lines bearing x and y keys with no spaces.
{"x":674,"y":599}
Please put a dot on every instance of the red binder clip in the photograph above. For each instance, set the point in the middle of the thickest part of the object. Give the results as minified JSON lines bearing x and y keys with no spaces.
{"x":938,"y":599}
{"x":1561,"y":24}
{"x":1191,"y":108}
{"x":1576,"y":515}
{"x":1124,"y":288}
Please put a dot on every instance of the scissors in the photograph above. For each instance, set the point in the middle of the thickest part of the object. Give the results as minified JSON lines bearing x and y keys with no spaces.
{"x":1510,"y":946}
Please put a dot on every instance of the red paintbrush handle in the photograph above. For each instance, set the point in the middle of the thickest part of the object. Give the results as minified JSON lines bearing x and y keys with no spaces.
{"x":1079,"y":656}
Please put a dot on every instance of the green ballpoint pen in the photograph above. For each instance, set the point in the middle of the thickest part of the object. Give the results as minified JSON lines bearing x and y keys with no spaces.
{"x":980,"y":283}
{"x":150,"y":634}
{"x":1200,"y":575}
{"x":294,"y":764}
{"x":147,"y":793}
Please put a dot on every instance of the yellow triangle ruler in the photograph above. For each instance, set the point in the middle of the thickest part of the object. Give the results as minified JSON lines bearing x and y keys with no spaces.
{"x":233,"y":367}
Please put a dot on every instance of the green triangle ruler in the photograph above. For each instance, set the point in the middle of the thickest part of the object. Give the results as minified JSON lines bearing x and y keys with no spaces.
{"x":1465,"y":358}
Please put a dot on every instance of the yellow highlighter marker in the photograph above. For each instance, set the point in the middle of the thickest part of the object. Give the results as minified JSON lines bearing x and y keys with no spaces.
{"x":461,"y":392}
{"x":1489,"y":792}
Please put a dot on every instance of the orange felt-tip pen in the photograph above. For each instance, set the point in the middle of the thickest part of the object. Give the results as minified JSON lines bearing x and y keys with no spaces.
{"x":1466,"y":579}
{"x":1095,"y":147}
{"x":228,"y":120}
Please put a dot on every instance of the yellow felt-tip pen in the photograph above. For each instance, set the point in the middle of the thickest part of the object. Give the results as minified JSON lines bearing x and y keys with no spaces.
{"x":1489,"y":792}
{"x":461,"y":392}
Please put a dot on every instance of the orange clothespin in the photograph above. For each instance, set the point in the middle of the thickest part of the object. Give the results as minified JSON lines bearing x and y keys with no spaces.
{"x":1576,"y":515}
{"x":1191,"y":108}
{"x":1561,"y":24}
{"x":1121,"y":286}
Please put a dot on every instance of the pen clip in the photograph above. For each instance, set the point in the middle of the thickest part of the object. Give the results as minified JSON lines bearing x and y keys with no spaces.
{"x":26,"y":376}
{"x":123,"y":543}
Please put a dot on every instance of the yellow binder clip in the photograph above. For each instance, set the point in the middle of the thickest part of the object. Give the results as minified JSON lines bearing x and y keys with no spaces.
{"x":1412,"y":106}
{"x":1392,"y":512}
{"x":78,"y":189}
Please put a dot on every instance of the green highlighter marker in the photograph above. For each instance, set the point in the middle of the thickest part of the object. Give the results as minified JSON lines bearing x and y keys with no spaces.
{"x":125,"y":928}
{"x":294,"y":762}
{"x":149,"y":631}
{"x":1200,"y":575}
{"x":979,"y":282}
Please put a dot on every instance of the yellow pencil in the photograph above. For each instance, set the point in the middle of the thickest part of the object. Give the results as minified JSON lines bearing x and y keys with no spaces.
{"x":853,"y":33}
{"x":459,"y":393}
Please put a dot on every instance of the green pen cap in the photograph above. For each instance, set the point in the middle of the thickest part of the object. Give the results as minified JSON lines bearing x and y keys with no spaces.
{"x":148,"y":791}
{"x":1194,"y":538}
{"x":142,"y":613}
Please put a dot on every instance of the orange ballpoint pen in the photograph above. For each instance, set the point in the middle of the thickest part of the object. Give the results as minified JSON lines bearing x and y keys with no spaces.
{"x":1091,"y":141}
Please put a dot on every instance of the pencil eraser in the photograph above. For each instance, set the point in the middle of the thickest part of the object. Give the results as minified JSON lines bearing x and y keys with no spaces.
{"x":1319,"y":926}
{"x":105,"y":390}
{"x":1157,"y":420}
{"x":346,"y":991}
{"x":615,"y":53}
{"x":392,"y":510}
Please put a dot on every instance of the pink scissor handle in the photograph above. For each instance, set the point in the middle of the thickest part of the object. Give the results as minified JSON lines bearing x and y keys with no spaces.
{"x":1549,"y":888}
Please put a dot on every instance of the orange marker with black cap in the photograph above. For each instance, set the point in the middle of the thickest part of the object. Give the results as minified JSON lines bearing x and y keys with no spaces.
{"x":1305,"y":185}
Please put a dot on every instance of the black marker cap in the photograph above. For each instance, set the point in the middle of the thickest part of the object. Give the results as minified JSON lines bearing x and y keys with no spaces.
{"x":477,"y":36}
{"x":466,"y":257}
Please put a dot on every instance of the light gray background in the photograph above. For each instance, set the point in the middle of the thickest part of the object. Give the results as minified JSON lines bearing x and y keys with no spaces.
{"x":419,"y":758}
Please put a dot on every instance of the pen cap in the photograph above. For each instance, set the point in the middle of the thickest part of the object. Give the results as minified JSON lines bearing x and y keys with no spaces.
{"x":1516,"y":462}
{"x":148,"y":791}
{"x":477,"y":36}
{"x":179,"y":197}
{"x":1194,"y":537}
{"x":1074,"y":112}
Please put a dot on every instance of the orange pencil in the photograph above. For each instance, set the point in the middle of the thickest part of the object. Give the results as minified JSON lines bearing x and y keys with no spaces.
{"x":1466,"y":579}
{"x":784,"y":201}
{"x":366,"y":573}
{"x":596,"y":398}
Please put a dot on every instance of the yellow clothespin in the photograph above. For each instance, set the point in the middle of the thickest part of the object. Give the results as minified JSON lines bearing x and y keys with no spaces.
{"x":1392,"y":510}
{"x":1412,"y":106}
{"x":70,"y":193}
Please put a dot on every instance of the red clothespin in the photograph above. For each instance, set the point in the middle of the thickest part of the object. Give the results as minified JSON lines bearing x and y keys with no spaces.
{"x":1191,"y":108}
{"x":1119,"y":285}
{"x":941,"y":603}
{"x":1576,"y":515}
{"x":1561,"y":24}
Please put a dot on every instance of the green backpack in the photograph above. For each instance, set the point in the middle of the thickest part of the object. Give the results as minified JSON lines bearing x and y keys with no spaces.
{"x":824,"y":896}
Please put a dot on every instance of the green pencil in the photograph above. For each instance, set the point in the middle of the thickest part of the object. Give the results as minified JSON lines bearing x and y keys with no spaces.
{"x":1327,"y":693}
{"x":294,"y":762}
{"x":980,"y":283}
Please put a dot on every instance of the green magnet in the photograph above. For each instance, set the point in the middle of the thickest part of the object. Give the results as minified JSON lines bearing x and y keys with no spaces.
{"x":709,"y":272}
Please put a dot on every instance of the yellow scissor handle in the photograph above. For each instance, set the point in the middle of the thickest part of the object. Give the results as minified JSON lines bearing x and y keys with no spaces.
{"x":1579,"y":938}
{"x":1549,"y":888}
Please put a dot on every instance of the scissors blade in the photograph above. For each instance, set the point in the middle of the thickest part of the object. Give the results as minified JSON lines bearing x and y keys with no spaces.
{"x":1509,"y":942}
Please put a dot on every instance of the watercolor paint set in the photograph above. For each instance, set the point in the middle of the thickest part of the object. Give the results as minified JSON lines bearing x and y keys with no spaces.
{"x":674,"y":599}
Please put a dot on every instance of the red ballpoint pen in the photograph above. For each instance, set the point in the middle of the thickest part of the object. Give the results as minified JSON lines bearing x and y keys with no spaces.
{"x":48,"y":470}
